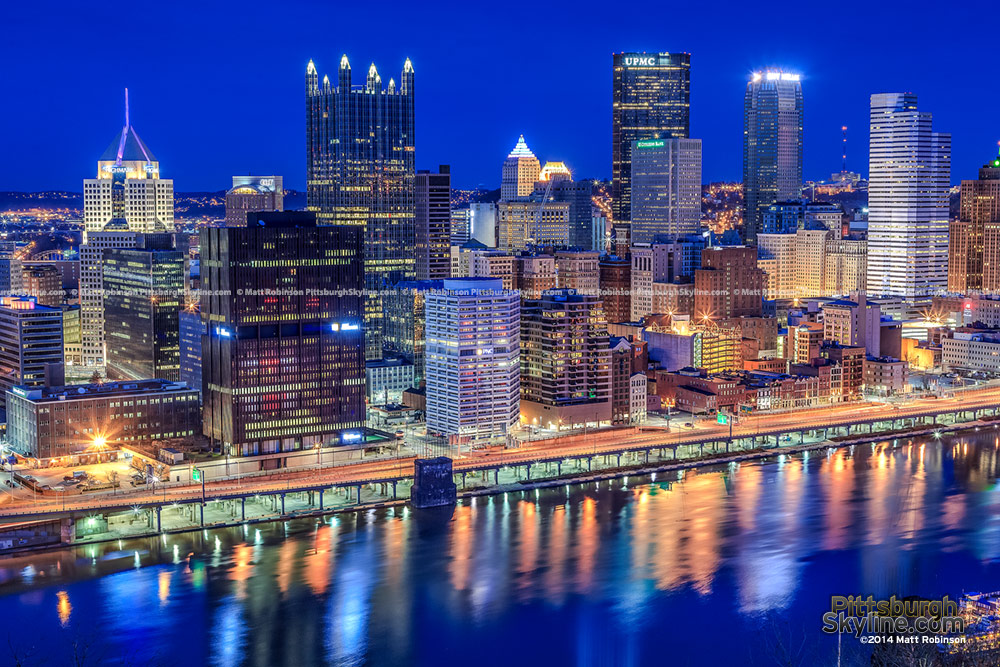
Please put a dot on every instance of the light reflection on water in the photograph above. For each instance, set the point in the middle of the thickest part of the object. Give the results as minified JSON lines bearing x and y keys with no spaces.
{"x":606,"y":574}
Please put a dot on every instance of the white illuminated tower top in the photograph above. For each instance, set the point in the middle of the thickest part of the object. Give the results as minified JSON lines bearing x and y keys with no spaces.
{"x":520,"y":171}
{"x":128,"y":193}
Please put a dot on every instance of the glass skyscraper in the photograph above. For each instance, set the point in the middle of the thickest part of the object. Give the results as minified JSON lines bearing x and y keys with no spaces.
{"x":360,"y":171}
{"x":666,"y":189}
{"x":651,"y":100}
{"x":283,"y":354}
{"x":144,"y":290}
{"x":772,"y":145}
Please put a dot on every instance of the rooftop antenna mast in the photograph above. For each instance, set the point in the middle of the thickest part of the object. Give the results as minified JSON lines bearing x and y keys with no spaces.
{"x":121,"y":142}
{"x":843,"y":167}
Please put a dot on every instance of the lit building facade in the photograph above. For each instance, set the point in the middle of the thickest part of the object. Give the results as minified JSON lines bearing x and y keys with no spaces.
{"x":772,"y":145}
{"x":284,"y":371}
{"x":60,"y":421}
{"x":651,"y":99}
{"x":128,"y":187}
{"x":360,"y":171}
{"x":666,"y":189}
{"x":974,"y":239}
{"x":406,"y":324}
{"x":144,"y":289}
{"x":532,"y":222}
{"x":251,"y":194}
{"x":31,"y":345}
{"x":565,"y":361}
{"x":473,"y":359}
{"x":910,"y":172}
{"x":433,"y":222}
{"x":520,"y":171}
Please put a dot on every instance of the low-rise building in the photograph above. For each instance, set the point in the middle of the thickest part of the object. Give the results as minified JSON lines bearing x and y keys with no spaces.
{"x":45,"y":423}
{"x":975,"y":351}
{"x":885,"y":376}
{"x":387,"y":379}
{"x":637,"y":398}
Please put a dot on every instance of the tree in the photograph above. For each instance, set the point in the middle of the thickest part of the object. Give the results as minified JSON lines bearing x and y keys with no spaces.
{"x":96,"y":378}
{"x":112,"y":476}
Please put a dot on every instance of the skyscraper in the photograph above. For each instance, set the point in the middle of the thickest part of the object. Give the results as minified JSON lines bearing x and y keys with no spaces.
{"x":772,"y":145}
{"x":974,"y":252}
{"x":666,"y":189}
{"x":283,"y":370}
{"x":92,"y":352}
{"x":473,"y":345}
{"x":433,"y":222}
{"x":651,"y":95}
{"x":360,"y":171}
{"x":31,"y":345}
{"x":556,"y":184}
{"x":128,"y":187}
{"x":565,"y":361}
{"x":910,"y":172}
{"x":250,"y":194}
{"x":144,"y":290}
{"x":519,"y":173}
{"x":128,"y":198}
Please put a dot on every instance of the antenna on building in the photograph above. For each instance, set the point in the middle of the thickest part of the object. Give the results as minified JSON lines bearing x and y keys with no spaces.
{"x":121,"y":142}
{"x":843,"y":167}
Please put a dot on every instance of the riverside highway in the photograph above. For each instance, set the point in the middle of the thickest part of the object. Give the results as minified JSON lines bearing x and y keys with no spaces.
{"x":601,"y":442}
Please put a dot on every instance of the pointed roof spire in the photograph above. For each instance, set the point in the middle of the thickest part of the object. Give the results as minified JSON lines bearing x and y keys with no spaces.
{"x":521,"y":149}
{"x":407,"y":67}
{"x":311,"y":67}
{"x":127,"y":145}
{"x":372,"y":72}
{"x":344,"y":64}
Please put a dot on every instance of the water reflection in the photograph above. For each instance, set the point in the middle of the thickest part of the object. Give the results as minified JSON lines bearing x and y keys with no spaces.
{"x":583,"y":575}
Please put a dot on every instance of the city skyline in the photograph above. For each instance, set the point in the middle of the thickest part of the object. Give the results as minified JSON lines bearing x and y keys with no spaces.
{"x":197,"y":134}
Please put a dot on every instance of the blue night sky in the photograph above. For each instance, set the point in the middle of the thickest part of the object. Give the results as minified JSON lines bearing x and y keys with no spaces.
{"x":218,"y":88}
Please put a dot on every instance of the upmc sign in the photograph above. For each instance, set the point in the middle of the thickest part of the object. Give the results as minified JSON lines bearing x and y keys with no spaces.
{"x":636,"y":61}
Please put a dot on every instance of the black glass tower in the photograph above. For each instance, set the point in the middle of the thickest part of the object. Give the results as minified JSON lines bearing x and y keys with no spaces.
{"x":651,"y":100}
{"x":360,"y":162}
{"x":283,"y":354}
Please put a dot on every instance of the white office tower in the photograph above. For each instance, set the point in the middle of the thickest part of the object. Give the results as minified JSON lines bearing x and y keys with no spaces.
{"x":128,"y":181}
{"x":128,"y":198}
{"x":473,"y":359}
{"x":910,"y":173}
{"x":520,"y":171}
{"x":666,"y":189}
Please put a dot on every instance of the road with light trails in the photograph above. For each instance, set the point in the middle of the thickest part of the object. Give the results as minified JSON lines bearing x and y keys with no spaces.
{"x":596,"y":443}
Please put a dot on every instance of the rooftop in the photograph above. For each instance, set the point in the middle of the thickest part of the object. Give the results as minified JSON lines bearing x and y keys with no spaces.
{"x":77,"y":391}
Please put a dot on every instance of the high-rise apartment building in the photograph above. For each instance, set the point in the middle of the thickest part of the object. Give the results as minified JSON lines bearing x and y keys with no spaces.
{"x":666,"y":189}
{"x":909,"y":178}
{"x":360,"y":171}
{"x":520,"y":171}
{"x":974,"y":239}
{"x":473,"y":347}
{"x":283,"y":369}
{"x":31,"y":345}
{"x":432,"y":197}
{"x":651,"y":99}
{"x":250,"y":194}
{"x":772,"y":145}
{"x":533,"y":274}
{"x":144,"y":294}
{"x":128,"y":188}
{"x":565,"y":361}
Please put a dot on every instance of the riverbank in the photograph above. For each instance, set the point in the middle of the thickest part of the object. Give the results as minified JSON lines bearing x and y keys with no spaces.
{"x":543,"y":482}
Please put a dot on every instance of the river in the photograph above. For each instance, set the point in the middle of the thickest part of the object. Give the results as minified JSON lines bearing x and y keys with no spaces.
{"x":727,"y":565}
